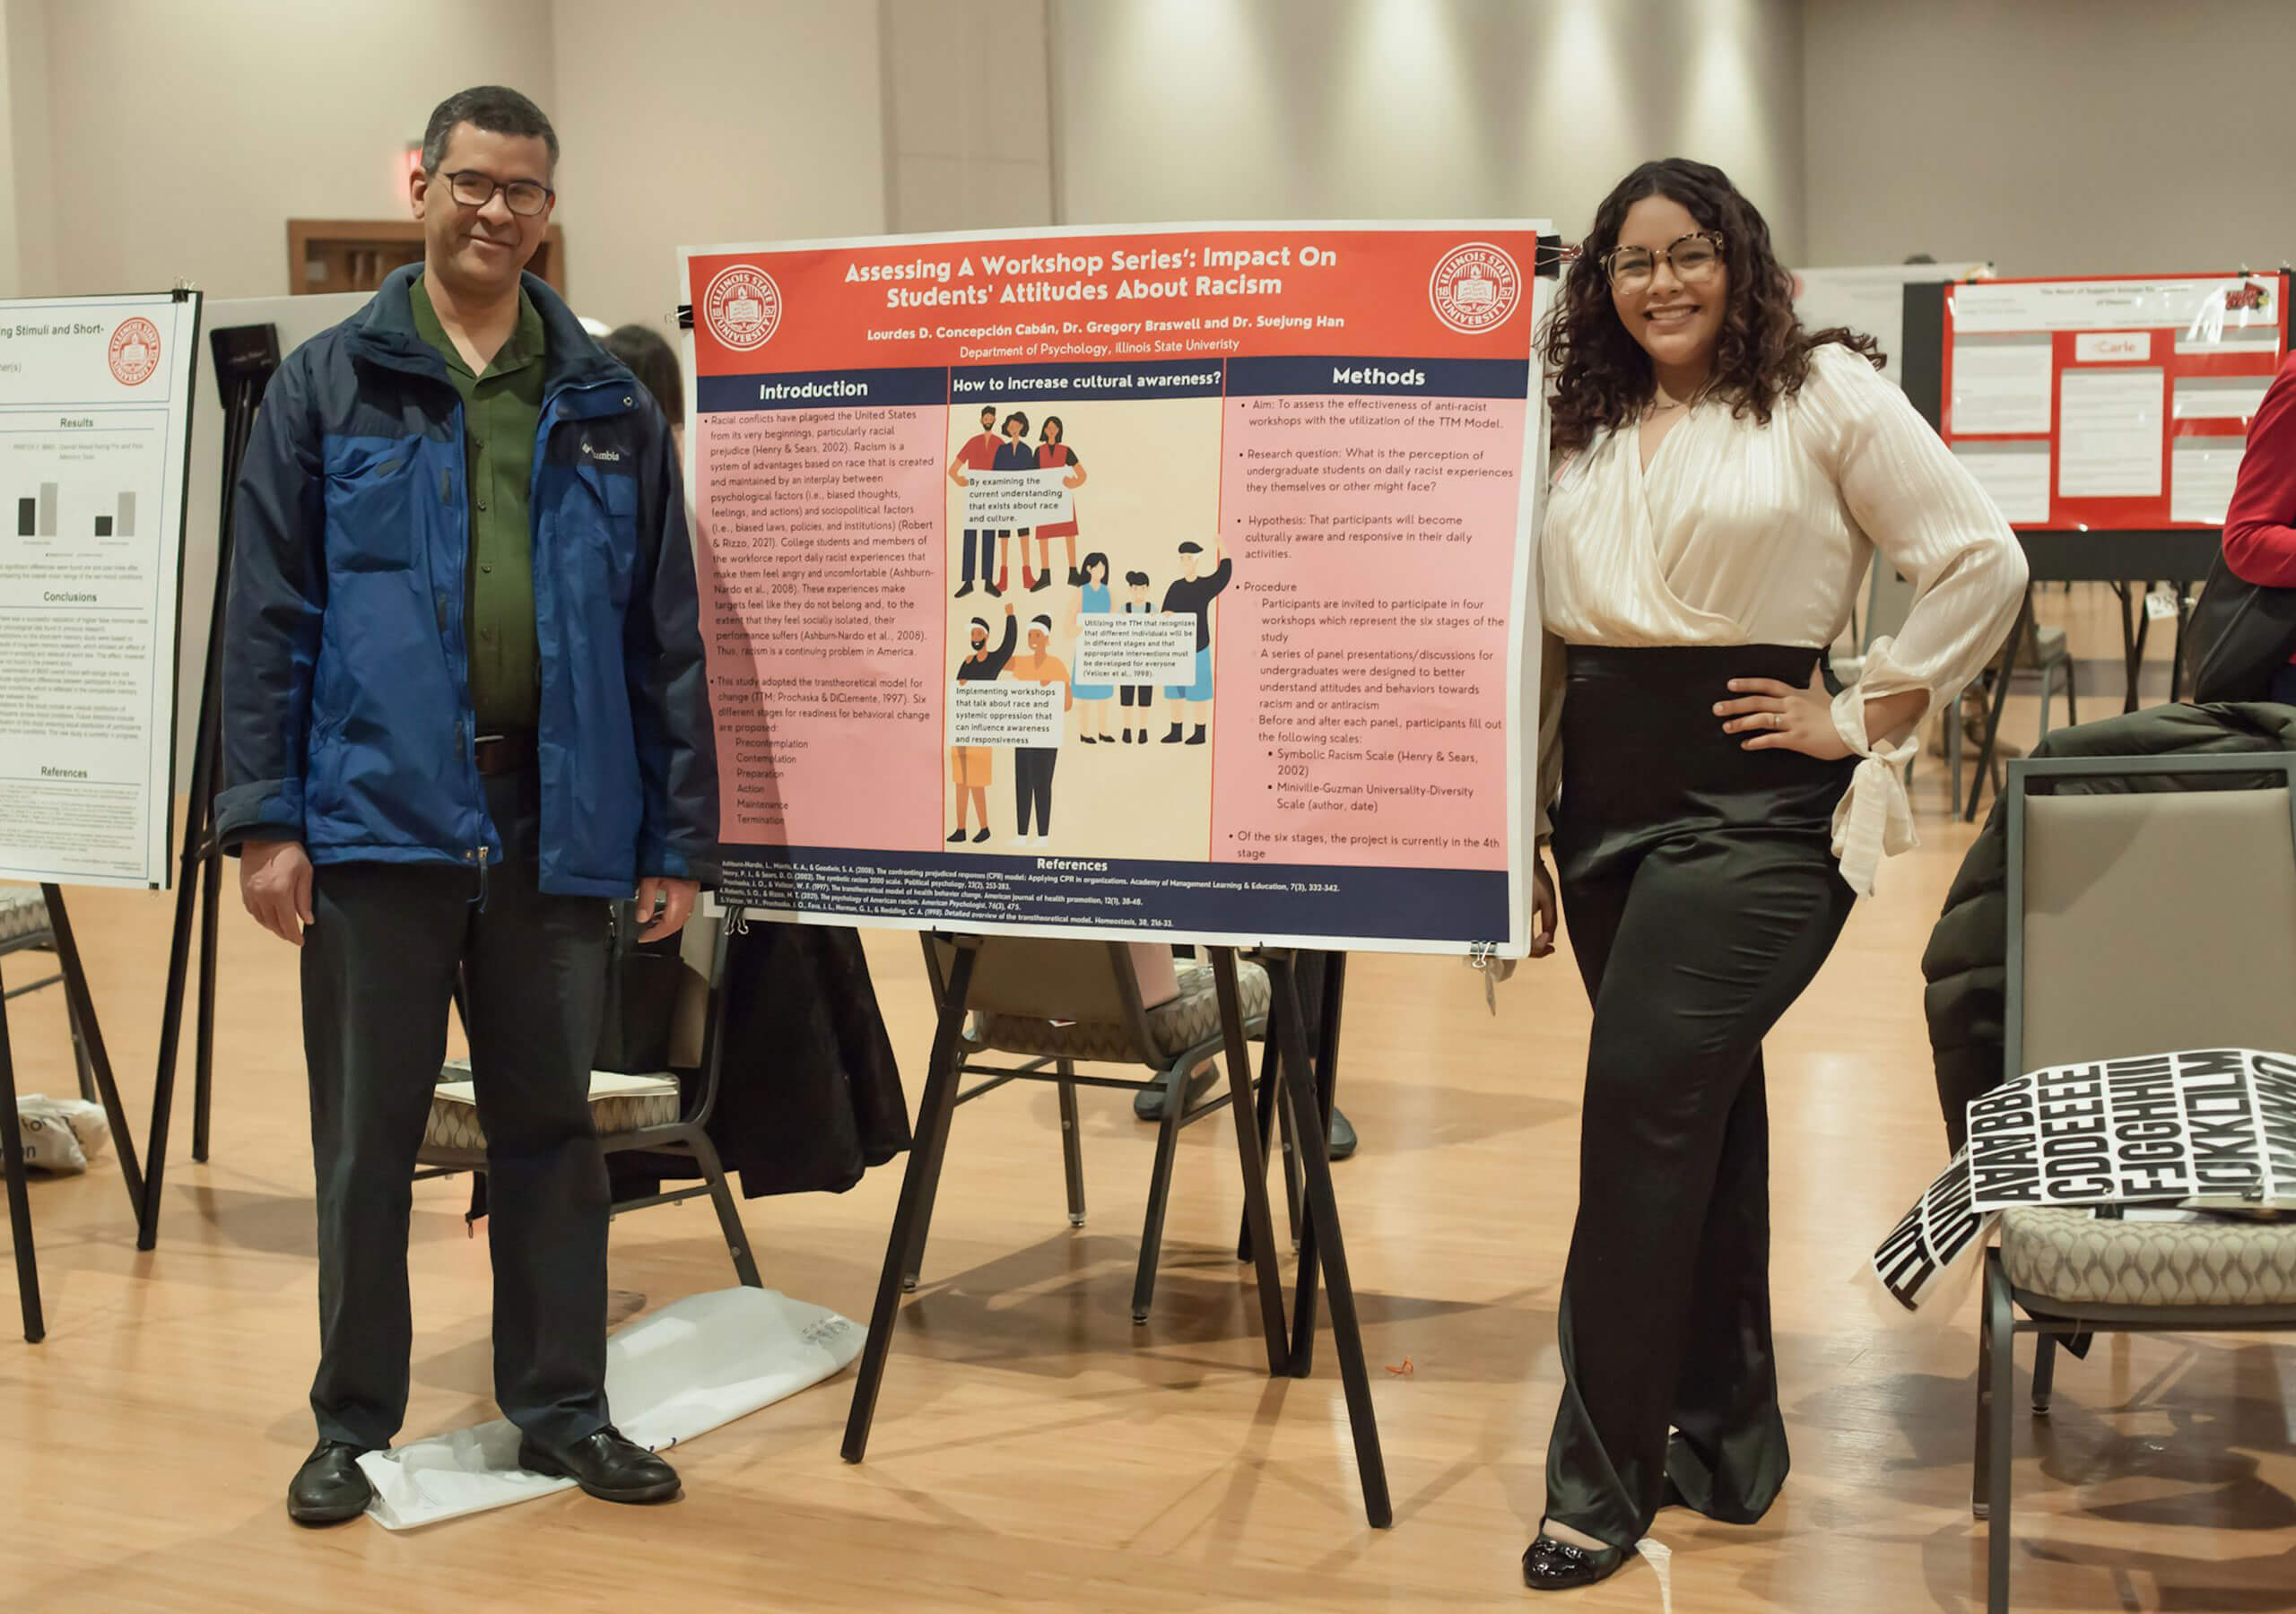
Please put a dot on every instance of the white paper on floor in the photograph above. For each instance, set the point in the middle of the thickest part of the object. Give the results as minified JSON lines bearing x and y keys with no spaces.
{"x":697,"y":1362}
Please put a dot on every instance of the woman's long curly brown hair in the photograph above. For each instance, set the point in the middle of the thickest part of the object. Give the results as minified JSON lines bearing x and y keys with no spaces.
{"x":1762,"y":354}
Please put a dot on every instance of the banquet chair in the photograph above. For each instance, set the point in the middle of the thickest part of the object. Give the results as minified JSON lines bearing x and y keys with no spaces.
{"x":665,"y":1122}
{"x":1052,"y":1004}
{"x":2130,"y":918}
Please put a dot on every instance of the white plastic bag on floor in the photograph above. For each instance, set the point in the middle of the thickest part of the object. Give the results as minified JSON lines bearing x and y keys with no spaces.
{"x":61,"y":1134}
{"x":699,"y":1362}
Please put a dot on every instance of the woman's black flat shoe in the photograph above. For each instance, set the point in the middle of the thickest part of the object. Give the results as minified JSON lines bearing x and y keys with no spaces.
{"x":1552,"y":1565}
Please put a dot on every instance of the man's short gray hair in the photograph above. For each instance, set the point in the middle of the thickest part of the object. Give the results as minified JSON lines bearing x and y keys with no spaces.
{"x":493,"y":107}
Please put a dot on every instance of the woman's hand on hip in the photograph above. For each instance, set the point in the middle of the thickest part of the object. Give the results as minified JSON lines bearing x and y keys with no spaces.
{"x":1777,"y":717}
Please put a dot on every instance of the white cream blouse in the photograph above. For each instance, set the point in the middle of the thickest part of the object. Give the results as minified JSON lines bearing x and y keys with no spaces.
{"x":1741,"y":533}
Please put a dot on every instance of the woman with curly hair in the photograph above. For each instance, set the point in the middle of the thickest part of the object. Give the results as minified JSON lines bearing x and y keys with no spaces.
{"x":1724,"y":477}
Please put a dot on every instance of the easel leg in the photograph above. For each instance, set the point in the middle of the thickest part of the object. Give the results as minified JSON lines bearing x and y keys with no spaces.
{"x":936,"y":1145}
{"x":1259,"y":1225}
{"x":1321,"y":1244}
{"x":202,"y":1068}
{"x":1993,"y":718}
{"x":1326,"y":1064}
{"x":20,"y":1199}
{"x":91,"y":1042}
{"x":163,"y":1086}
{"x":2134,"y":625}
{"x":242,"y":393}
{"x":933,"y":1113}
{"x":1268,"y":1111}
{"x":2176,"y":656}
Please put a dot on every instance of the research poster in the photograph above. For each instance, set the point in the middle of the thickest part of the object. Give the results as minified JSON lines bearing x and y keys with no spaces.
{"x":2103,"y":404}
{"x":95,"y":397}
{"x":1124,"y":582}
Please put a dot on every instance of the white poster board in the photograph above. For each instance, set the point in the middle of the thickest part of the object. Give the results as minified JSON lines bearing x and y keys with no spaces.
{"x":95,"y":418}
{"x":297,"y":319}
{"x":1871,"y":300}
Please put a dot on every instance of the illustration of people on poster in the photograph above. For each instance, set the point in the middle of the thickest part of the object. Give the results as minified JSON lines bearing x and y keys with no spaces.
{"x":1125,"y":581}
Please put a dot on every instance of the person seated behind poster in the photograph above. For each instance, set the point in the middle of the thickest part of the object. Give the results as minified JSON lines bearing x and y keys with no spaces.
{"x":971,"y":768}
{"x":1143,"y":695}
{"x":1093,"y":599}
{"x":1033,"y":765}
{"x":2260,"y":521}
{"x":1191,"y":593}
{"x":651,"y":358}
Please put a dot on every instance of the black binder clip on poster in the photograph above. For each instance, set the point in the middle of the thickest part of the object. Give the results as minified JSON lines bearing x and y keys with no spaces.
{"x":246,"y":357}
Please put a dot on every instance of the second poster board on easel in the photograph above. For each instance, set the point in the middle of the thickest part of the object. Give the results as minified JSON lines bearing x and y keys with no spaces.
{"x":95,"y":406}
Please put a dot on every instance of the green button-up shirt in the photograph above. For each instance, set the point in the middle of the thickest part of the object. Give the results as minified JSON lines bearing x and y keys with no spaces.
{"x":501,"y":412}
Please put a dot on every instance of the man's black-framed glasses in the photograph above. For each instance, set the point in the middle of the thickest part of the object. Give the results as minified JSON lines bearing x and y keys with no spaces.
{"x":1693,"y":257}
{"x":525,"y":198}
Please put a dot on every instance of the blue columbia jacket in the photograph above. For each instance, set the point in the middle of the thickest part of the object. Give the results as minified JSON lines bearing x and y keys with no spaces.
{"x":347,"y":719}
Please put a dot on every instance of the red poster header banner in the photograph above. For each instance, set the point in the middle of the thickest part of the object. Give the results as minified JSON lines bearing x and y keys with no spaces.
{"x":1191,"y":291}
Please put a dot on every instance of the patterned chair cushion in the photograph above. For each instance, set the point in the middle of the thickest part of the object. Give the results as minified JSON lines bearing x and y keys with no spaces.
{"x":1188,"y":1021}
{"x":23,"y":912}
{"x":618,"y":1103}
{"x":2069,"y":1254}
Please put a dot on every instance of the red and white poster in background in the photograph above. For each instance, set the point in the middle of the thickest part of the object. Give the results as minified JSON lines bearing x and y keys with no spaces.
{"x":1123,"y":582}
{"x":2109,"y":403}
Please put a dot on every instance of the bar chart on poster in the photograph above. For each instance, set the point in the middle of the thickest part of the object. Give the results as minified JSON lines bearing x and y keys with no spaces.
{"x":94,"y":426}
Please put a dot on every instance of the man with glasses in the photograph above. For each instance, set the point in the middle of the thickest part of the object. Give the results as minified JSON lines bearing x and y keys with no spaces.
{"x":464,"y":711}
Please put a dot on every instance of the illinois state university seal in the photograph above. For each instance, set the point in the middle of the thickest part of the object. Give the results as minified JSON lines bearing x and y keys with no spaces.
{"x":743,"y":305}
{"x":1474,"y":288}
{"x":134,"y":352}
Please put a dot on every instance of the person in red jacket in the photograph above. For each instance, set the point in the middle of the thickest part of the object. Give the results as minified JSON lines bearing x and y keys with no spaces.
{"x":2260,"y":521}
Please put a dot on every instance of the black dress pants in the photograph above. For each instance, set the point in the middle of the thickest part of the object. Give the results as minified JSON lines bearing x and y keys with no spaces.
{"x":378,"y":972}
{"x":1702,"y":896}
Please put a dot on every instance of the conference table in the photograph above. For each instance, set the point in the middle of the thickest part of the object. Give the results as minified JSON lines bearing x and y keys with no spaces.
{"x":2177,"y":556}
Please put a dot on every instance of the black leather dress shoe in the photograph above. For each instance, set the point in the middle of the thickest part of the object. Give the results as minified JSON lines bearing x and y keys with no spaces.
{"x":606,"y":1465}
{"x":1552,"y":1565}
{"x":330,"y":1487}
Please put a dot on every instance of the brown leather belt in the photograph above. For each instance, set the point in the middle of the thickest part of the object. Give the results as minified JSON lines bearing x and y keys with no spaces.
{"x":504,"y":753}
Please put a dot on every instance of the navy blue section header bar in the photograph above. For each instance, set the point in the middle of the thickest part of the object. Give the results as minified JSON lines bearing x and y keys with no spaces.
{"x":1116,"y":378}
{"x":1390,"y":378}
{"x":1109,"y":895}
{"x":823,"y":389}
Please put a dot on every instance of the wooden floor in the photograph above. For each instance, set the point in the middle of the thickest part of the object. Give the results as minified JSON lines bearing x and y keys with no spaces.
{"x":1033,"y":1449}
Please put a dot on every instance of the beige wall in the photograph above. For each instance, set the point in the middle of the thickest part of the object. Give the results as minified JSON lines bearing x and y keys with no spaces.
{"x":689,"y":122}
{"x":2051,"y":136}
{"x":683,"y":120}
{"x":1417,"y":109}
{"x":184,"y":136}
{"x":967,"y":114}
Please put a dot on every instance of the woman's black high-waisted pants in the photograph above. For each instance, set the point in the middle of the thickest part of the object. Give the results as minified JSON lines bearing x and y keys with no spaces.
{"x":1701,"y":895}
